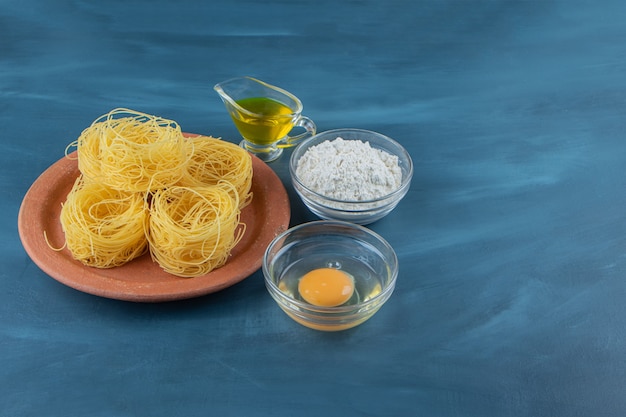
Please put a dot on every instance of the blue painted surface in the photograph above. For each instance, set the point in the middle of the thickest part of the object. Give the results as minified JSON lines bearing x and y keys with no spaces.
{"x":511,"y":241}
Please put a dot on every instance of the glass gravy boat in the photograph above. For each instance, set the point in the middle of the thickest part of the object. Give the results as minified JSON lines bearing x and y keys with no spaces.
{"x":264,"y":115}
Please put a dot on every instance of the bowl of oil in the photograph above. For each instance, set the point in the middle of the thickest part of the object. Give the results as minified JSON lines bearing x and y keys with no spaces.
{"x":330,"y":275}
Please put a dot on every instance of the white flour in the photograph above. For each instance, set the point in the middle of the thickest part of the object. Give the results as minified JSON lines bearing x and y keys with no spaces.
{"x":349,"y":170}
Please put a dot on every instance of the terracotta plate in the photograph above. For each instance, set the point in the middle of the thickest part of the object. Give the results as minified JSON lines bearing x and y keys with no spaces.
{"x":142,"y":280}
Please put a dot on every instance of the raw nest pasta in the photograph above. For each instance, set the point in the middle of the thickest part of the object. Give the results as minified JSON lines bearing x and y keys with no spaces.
{"x":212,"y":163}
{"x":192,"y":230}
{"x":144,"y":187}
{"x":133,"y":151}
{"x":104,"y":227}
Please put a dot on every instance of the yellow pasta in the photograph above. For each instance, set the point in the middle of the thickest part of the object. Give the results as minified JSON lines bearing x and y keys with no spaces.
{"x":103,"y":227}
{"x":144,"y":186}
{"x":192,"y":230}
{"x":133,"y":151}
{"x":214,"y":161}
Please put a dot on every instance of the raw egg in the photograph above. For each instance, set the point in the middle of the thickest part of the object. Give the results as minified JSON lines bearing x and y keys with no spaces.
{"x":326,"y":287}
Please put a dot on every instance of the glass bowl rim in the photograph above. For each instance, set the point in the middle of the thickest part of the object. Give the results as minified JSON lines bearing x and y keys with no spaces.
{"x":365,"y":306}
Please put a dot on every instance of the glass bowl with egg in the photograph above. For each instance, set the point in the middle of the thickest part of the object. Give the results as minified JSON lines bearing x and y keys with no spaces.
{"x":353,"y":175}
{"x":330,"y":275}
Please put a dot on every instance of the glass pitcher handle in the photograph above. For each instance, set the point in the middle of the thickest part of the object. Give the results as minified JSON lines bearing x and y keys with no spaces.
{"x":310,"y":130}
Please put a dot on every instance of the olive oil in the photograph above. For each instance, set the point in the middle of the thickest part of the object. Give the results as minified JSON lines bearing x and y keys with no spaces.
{"x":275,"y":121}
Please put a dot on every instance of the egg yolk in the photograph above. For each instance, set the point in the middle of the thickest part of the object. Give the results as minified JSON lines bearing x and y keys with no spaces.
{"x":326,"y":287}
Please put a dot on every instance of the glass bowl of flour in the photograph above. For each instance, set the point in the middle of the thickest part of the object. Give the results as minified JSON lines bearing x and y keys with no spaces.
{"x":352,"y":175}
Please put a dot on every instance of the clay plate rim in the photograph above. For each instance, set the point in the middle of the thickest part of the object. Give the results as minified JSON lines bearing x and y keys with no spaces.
{"x":142,"y":280}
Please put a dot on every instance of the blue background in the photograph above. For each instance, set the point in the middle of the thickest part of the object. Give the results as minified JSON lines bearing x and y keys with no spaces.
{"x":511,"y":240}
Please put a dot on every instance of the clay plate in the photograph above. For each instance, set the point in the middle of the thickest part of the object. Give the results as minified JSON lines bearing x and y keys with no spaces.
{"x":142,"y":280}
